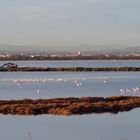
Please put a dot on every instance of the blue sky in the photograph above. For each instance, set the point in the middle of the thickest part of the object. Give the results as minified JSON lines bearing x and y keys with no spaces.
{"x":70,"y":23}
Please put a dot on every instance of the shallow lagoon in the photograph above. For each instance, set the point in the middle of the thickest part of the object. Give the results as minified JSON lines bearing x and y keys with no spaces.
{"x":18,"y":85}
{"x":123,"y":126}
{"x":77,"y":63}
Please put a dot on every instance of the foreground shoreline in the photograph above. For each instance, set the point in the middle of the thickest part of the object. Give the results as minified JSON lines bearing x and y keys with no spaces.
{"x":69,"y":106}
{"x":69,"y":69}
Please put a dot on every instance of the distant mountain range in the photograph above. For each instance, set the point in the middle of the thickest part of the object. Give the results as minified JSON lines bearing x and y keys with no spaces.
{"x":4,"y":48}
{"x":119,"y":50}
{"x":123,"y":50}
{"x":29,"y":49}
{"x":134,"y":49}
{"x":10,"y":48}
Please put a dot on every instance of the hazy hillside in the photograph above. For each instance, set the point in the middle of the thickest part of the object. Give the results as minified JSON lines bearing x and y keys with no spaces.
{"x":133,"y":49}
{"x":46,"y":49}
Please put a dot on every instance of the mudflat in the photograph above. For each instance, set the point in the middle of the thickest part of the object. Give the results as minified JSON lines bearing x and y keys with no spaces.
{"x":69,"y":106}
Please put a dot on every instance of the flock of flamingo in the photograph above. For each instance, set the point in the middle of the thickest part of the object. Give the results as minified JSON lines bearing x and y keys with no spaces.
{"x":132,"y":91}
{"x":76,"y":81}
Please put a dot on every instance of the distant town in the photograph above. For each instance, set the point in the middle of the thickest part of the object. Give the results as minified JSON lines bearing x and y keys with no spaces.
{"x":69,"y":55}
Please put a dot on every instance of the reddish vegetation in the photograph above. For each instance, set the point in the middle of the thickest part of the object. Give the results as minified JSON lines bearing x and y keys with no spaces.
{"x":69,"y":106}
{"x":14,"y":67}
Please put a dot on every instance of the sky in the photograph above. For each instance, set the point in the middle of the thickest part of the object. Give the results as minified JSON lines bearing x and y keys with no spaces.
{"x":70,"y":24}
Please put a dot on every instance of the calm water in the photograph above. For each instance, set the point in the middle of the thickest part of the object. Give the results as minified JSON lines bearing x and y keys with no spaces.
{"x":81,"y":63}
{"x":123,"y":126}
{"x":18,"y":85}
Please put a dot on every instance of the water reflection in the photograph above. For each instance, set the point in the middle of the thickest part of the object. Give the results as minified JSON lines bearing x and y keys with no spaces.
{"x":95,"y":126}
